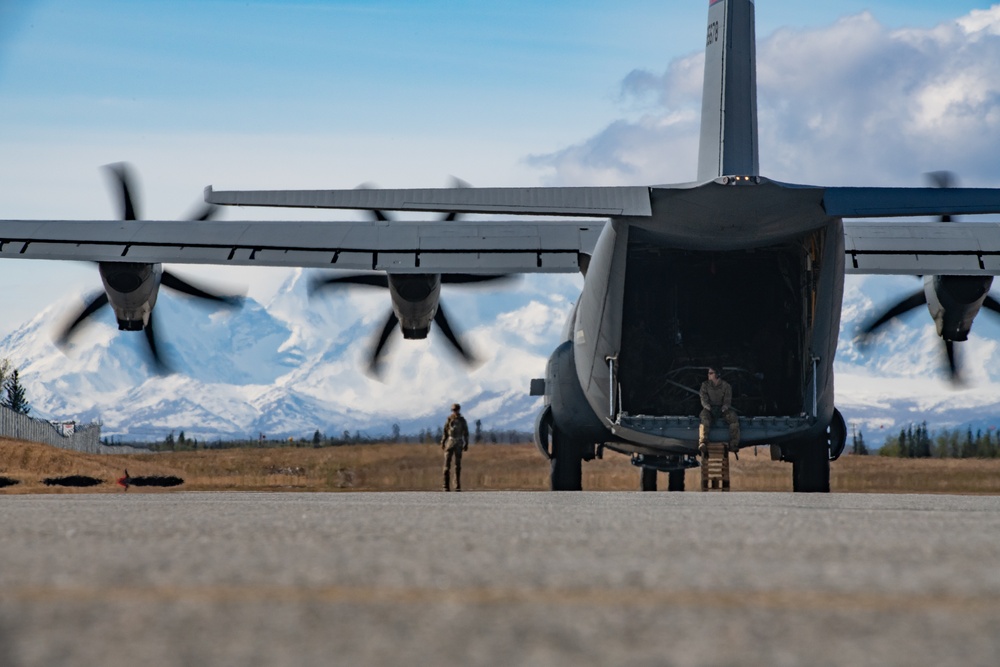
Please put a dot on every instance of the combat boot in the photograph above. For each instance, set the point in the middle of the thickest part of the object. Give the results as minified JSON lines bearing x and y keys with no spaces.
{"x":447,"y":485}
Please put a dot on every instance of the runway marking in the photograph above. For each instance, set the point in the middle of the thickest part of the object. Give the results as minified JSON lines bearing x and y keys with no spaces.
{"x":805,"y":600}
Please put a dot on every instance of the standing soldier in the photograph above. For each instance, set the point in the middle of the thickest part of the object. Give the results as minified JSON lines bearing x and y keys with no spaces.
{"x":716,"y":401}
{"x":454,"y":441}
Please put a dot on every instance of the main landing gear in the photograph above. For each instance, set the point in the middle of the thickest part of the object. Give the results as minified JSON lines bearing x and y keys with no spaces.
{"x":674,"y":466}
{"x":811,"y":458}
{"x":811,"y":468}
{"x":566,"y":463}
{"x":810,"y":461}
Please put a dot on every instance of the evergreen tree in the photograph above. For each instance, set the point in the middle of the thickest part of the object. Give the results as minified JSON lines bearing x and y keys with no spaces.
{"x":923,"y":449}
{"x":15,"y":399}
{"x":479,"y":431}
{"x":317,"y":438}
{"x":979,"y":444}
{"x":5,"y":369}
{"x":859,"y":445}
{"x":954,"y":448}
{"x":968,"y":447}
{"x":904,"y":446}
{"x":989,"y":448}
{"x":395,"y":432}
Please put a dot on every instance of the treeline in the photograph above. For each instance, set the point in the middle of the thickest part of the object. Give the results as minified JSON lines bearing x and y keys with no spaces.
{"x":916,"y":442}
{"x":178,"y":442}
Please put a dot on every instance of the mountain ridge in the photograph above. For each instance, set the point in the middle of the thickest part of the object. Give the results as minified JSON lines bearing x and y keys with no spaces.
{"x":294,"y":365}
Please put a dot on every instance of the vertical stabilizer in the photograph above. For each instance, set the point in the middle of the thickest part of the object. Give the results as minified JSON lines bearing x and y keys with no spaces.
{"x":729,"y":96}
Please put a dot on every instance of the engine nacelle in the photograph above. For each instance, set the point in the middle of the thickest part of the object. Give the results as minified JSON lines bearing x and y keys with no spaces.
{"x":415,"y":300}
{"x":131,"y":288}
{"x":954,"y":302}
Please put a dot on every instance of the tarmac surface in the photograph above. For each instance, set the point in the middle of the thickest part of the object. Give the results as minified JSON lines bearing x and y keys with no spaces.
{"x":499,"y":579}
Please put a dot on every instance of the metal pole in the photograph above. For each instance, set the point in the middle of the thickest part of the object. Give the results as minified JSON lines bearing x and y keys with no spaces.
{"x":815,"y":361}
{"x":611,"y":385}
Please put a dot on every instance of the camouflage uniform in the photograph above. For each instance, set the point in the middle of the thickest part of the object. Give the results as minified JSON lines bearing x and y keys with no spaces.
{"x":454,"y":441}
{"x":716,"y":401}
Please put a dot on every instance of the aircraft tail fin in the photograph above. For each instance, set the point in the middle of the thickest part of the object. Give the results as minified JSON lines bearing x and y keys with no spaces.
{"x":729,"y":104}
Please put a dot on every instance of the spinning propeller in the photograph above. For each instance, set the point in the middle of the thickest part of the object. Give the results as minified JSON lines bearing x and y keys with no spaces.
{"x":131,"y":287}
{"x":415,"y":301}
{"x":953,"y":301}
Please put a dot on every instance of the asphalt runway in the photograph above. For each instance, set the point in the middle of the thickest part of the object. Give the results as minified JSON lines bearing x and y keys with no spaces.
{"x":499,"y":579}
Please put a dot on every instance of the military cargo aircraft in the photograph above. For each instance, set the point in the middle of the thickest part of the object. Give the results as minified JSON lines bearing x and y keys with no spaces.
{"x":734,"y":269}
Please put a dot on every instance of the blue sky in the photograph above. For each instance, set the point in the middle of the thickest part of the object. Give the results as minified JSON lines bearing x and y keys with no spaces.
{"x":333,"y":94}
{"x":440,"y":67}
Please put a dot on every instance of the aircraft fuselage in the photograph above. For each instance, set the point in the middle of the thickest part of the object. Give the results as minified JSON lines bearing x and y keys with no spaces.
{"x":744,"y":274}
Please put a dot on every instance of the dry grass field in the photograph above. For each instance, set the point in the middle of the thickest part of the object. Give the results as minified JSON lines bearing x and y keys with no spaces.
{"x":418,"y":468}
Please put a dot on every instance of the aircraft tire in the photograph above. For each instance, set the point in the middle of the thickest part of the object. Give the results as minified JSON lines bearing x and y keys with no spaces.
{"x":647,"y":479}
{"x":811,"y":469}
{"x":566,"y":471}
{"x":676,"y":480}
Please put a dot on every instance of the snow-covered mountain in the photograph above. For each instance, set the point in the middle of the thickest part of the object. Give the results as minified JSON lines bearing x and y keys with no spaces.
{"x":293,"y":365}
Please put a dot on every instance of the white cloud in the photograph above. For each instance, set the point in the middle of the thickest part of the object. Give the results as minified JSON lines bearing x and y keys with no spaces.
{"x":852,"y":102}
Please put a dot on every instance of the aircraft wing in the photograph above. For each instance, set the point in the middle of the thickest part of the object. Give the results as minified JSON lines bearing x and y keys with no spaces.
{"x":922,"y":248}
{"x":541,"y":246}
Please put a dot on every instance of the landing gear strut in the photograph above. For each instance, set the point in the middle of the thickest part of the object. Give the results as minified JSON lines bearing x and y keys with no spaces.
{"x":811,"y":468}
{"x":566,"y":465}
{"x":674,"y":466}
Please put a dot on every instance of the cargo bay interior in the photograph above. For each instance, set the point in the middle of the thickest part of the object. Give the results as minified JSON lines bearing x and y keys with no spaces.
{"x":760,"y":303}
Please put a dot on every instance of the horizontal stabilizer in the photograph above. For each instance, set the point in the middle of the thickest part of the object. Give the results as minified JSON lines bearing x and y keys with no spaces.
{"x":905,"y":202}
{"x":583,"y":201}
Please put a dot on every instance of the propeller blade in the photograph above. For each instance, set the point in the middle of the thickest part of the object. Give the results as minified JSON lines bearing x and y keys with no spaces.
{"x":455,"y":183}
{"x":906,"y":305}
{"x":122,"y":174}
{"x":949,"y":347}
{"x":159,"y":365}
{"x":991,"y":304}
{"x":942,"y":179}
{"x":170,"y":280}
{"x":375,"y":360}
{"x":96,"y":302}
{"x":206,"y":212}
{"x":319,"y":283}
{"x":379,"y":216}
{"x":441,"y":319}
